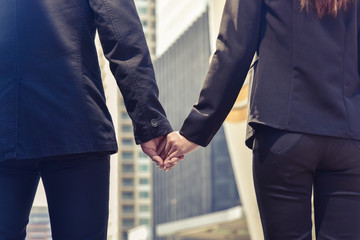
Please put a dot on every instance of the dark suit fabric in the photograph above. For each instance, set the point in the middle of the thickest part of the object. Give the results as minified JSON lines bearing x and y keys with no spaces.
{"x":77,"y":191}
{"x":51,"y":94}
{"x":288,"y":166}
{"x":306,"y":73}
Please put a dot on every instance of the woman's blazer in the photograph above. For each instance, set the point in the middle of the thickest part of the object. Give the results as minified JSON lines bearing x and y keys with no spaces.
{"x":306,"y":76}
{"x":51,"y":95}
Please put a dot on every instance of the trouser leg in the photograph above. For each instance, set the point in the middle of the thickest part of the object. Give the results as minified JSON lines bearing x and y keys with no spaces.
{"x":337,"y":192}
{"x":77,"y":190}
{"x":18,"y":183}
{"x":284,"y":166}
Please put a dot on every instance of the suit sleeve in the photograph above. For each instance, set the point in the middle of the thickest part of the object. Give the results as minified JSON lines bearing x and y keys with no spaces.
{"x":124,"y":45}
{"x":358,"y":35}
{"x":235,"y":48}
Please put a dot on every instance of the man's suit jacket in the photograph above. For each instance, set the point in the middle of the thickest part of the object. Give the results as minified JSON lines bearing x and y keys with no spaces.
{"x":306,"y":76}
{"x":51,"y":95}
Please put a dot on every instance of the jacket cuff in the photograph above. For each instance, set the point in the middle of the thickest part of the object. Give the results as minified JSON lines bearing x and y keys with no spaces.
{"x":195,"y":138}
{"x":155,"y":128}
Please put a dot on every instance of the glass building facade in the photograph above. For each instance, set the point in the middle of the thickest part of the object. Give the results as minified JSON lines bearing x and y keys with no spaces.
{"x":204,"y":182}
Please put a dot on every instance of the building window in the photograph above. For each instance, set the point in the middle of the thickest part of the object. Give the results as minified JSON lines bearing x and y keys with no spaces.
{"x":153,"y":49}
{"x":142,"y":10}
{"x":143,"y":168}
{"x":128,"y":222}
{"x":144,"y":208}
{"x":127,"y":155}
{"x":127,"y":142}
{"x":126,"y":128}
{"x":153,"y":24}
{"x":144,"y":181}
{"x":144,"y":221}
{"x":128,"y":182}
{"x":144,"y":195}
{"x":127,"y":195}
{"x":125,"y":236}
{"x":124,"y":115}
{"x":128,"y":209}
{"x":142,"y":155}
{"x":127,"y":168}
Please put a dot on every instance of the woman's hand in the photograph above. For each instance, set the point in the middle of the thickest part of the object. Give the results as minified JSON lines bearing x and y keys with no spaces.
{"x":176,"y":147}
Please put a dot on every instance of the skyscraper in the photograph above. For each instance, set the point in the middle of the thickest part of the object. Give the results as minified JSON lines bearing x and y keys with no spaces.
{"x":131,"y":176}
{"x":174,"y":17}
{"x":147,"y":13}
{"x":204,"y":182}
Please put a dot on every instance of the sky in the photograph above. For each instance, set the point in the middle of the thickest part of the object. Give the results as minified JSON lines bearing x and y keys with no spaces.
{"x":173,"y":18}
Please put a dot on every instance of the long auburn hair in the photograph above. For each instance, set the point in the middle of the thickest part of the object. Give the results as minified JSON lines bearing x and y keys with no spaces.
{"x":326,"y":7}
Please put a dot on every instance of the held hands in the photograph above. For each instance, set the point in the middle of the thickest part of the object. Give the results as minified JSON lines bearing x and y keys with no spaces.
{"x":176,"y":147}
{"x":167,"y":151}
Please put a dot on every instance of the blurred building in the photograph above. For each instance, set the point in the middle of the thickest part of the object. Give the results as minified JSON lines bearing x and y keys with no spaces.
{"x":198,"y":199}
{"x":147,"y":13}
{"x":131,"y":176}
{"x":39,"y":224}
{"x":174,"y":17}
{"x":140,"y":233}
{"x":135,"y":179}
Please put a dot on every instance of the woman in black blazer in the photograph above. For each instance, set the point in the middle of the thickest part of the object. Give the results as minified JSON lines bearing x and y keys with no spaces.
{"x":304,"y":121}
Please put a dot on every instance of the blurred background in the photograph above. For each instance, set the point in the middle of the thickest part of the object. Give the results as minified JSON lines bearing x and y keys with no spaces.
{"x":210,"y":194}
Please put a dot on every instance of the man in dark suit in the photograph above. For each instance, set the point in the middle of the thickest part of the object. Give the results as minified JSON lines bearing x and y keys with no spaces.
{"x":304,"y":110}
{"x":54,"y":122}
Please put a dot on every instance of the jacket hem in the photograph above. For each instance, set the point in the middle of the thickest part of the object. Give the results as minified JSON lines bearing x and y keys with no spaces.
{"x":253,"y":123}
{"x":110,"y":148}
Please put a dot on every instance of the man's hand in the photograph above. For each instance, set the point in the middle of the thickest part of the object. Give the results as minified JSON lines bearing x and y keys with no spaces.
{"x":154,"y":149}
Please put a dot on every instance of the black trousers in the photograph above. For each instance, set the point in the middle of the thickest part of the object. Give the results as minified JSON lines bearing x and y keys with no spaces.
{"x":288,"y":167}
{"x":77,"y":191}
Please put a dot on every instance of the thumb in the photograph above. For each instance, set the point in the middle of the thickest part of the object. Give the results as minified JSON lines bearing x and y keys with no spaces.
{"x":155,"y":157}
{"x":158,"y":160}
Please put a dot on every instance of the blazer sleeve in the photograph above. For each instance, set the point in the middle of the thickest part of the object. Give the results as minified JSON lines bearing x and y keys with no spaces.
{"x":235,"y":48}
{"x":358,"y":35}
{"x":124,"y":45}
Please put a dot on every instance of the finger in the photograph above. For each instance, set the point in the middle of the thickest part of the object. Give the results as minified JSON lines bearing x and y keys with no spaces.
{"x":161,"y":146}
{"x":167,"y":148}
{"x":158,"y":160}
{"x":175,"y":154}
{"x":167,"y":161}
{"x":172,"y":166}
{"x":154,"y":156}
{"x":167,"y":164}
{"x":174,"y":160}
{"x":163,"y":154}
{"x":172,"y":163}
{"x":157,"y":165}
